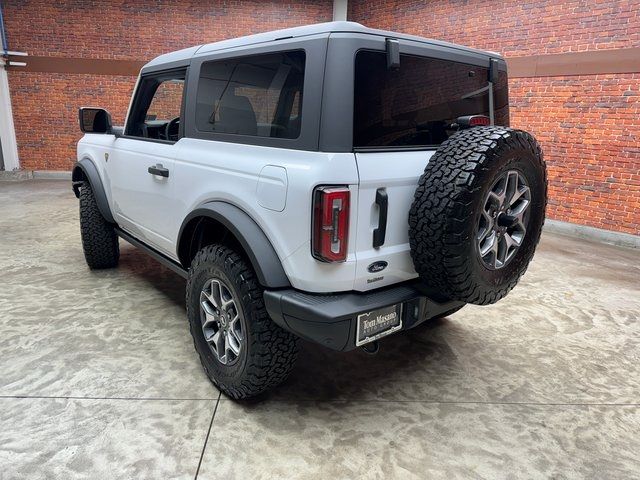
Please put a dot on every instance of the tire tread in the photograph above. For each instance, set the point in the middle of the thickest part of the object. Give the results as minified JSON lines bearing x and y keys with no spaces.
{"x":99,"y":239}
{"x":443,"y":207}
{"x":272,"y":352}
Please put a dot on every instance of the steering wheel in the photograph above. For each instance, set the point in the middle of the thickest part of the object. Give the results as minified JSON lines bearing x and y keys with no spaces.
{"x":172,"y":130}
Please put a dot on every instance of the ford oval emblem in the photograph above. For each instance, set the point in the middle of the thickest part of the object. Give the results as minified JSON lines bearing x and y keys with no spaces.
{"x":377,"y":266}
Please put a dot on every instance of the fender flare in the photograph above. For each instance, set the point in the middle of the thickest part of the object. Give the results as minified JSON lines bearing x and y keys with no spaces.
{"x":86,"y":169}
{"x":259,"y":250}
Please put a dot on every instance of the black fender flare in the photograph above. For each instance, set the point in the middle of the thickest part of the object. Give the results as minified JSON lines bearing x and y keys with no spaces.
{"x":259,"y":250}
{"x":86,"y":169}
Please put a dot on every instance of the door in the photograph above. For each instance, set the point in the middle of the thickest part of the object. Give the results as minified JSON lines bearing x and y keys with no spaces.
{"x":142,"y":164}
{"x":379,"y":186}
{"x":400,"y":118}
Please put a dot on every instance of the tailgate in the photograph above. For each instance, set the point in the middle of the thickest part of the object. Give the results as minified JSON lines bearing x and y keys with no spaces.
{"x":396,"y":174}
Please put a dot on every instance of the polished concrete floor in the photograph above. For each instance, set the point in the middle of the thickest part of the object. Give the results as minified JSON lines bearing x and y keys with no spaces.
{"x":99,"y":379}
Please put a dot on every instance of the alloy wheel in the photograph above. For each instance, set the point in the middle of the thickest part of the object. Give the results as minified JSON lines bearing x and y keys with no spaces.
{"x":503,"y":223}
{"x":222,"y":322}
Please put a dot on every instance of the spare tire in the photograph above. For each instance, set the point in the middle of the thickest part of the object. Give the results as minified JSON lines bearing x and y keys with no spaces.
{"x":478,"y":212}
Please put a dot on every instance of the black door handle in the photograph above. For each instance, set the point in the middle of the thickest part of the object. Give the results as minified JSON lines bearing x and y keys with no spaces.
{"x":380,"y":232}
{"x":158,"y":170}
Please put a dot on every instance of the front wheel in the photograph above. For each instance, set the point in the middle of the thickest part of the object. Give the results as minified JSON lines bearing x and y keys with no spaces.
{"x":242,"y":350}
{"x":99,"y":239}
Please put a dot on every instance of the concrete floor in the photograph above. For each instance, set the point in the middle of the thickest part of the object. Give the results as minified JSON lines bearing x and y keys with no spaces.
{"x":99,"y":379}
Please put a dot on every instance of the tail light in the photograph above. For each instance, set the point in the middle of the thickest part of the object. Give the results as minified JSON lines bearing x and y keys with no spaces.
{"x":330,"y":223}
{"x":473,"y":121}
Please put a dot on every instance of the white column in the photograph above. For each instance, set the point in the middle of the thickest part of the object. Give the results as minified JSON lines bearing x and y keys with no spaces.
{"x":339,"y":10}
{"x":7,"y":130}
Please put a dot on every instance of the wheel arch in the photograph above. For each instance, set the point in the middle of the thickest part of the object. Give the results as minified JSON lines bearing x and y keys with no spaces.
{"x":86,"y":171}
{"x":222,"y":222}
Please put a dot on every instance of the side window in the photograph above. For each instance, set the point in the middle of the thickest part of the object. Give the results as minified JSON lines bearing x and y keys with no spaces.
{"x":167,"y":101}
{"x":157,"y":107}
{"x":259,"y":95}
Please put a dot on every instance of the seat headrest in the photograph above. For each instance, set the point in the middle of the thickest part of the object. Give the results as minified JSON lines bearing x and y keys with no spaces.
{"x":236,"y":115}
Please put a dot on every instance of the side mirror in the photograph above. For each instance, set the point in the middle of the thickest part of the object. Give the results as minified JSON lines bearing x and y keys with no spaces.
{"x":95,"y":120}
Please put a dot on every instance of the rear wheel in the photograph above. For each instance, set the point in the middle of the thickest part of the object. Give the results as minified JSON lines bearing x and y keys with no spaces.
{"x":242,"y":350}
{"x":478,"y":213}
{"x":99,"y":239}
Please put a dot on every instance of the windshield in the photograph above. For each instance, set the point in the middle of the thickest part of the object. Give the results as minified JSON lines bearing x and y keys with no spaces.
{"x":418,"y":104}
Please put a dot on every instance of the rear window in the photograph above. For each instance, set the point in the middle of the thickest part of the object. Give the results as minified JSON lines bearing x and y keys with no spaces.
{"x":259,"y":95}
{"x":418,"y":104}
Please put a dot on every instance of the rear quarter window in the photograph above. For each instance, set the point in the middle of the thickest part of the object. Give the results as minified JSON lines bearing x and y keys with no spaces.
{"x":259,"y":95}
{"x":418,"y":104}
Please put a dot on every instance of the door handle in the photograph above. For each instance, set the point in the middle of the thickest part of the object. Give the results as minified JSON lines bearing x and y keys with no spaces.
{"x":380,"y":232}
{"x":158,"y":170}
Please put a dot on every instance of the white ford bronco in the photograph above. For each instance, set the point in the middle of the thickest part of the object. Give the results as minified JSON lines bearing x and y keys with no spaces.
{"x":330,"y":182}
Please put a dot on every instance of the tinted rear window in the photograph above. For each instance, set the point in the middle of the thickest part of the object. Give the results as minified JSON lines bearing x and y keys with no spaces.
{"x":417,"y":104}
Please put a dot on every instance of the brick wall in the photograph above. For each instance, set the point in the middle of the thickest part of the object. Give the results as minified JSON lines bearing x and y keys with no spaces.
{"x":588,"y":125}
{"x":143,"y":29}
{"x":45,"y":111}
{"x":525,"y":27}
{"x":45,"y":105}
{"x":589,"y":128}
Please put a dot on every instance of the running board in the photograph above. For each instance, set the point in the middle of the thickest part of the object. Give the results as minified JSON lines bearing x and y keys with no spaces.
{"x":163,"y":259}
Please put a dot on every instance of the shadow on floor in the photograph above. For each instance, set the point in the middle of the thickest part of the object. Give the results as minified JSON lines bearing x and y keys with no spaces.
{"x":409,"y":365}
{"x":411,"y":360}
{"x":135,"y":263}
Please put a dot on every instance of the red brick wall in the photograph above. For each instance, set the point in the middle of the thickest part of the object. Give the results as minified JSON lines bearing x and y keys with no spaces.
{"x":45,"y":105}
{"x":589,"y":125}
{"x":513,"y":28}
{"x":143,"y":29}
{"x":45,"y":110}
{"x":589,"y":128}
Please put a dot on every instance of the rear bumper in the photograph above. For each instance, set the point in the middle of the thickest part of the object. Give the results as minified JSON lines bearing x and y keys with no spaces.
{"x":330,"y":319}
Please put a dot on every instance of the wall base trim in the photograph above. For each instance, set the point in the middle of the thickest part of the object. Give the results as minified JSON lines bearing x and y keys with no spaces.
{"x":592,"y":233}
{"x":17,"y":175}
{"x":51,"y":175}
{"x":552,"y":226}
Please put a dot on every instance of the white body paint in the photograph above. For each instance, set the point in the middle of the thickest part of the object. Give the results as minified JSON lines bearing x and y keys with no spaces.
{"x":274,"y":187}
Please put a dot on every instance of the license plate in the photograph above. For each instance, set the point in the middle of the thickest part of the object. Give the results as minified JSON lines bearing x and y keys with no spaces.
{"x":378,"y":323}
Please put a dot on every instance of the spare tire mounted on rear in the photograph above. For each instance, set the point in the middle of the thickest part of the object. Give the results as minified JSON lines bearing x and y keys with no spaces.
{"x":478,"y":212}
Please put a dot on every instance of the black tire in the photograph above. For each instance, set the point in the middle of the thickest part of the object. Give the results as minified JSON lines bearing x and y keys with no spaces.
{"x":268,"y":353}
{"x":448,"y":204}
{"x":99,"y":239}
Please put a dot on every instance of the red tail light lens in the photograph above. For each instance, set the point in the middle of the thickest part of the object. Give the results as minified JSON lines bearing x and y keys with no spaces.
{"x":330,"y":223}
{"x":473,"y":121}
{"x":479,"y":121}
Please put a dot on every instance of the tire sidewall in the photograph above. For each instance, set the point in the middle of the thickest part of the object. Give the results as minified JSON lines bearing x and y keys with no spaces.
{"x":525,"y":162}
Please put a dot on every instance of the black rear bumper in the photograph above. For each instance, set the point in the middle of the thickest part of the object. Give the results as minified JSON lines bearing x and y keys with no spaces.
{"x":330,"y":319}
